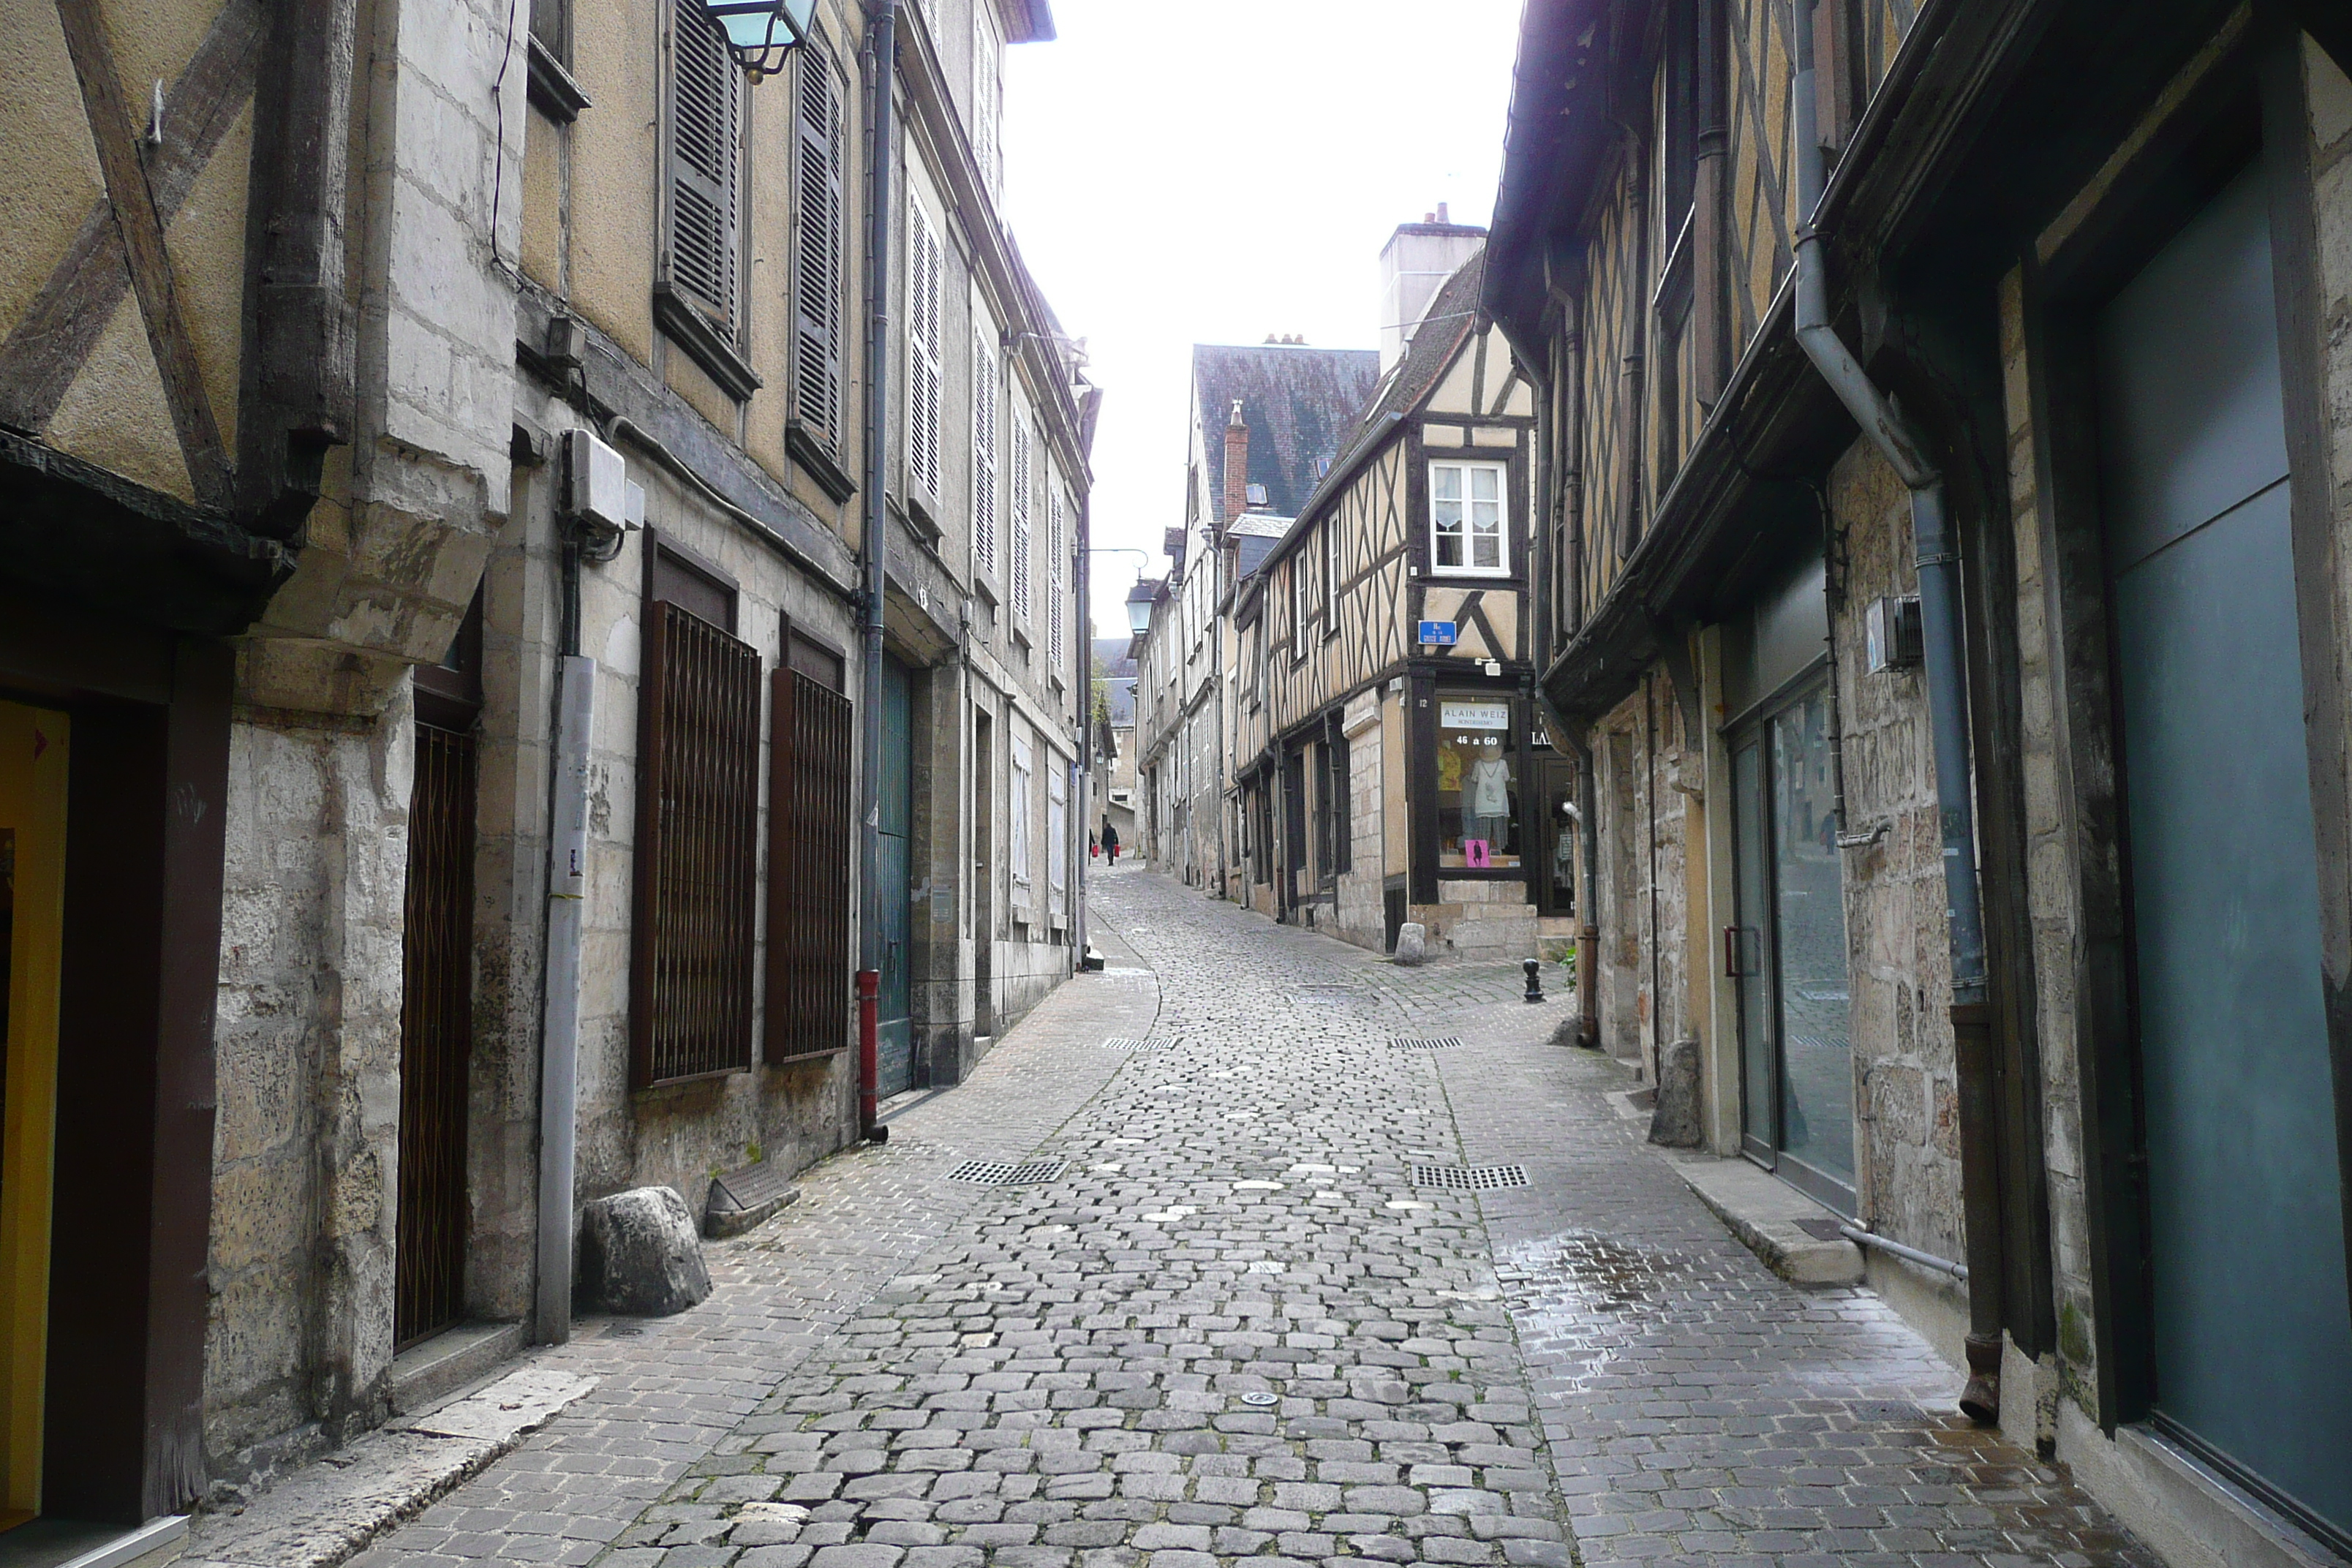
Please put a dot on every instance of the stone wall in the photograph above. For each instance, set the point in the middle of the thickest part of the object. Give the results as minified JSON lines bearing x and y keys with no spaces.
{"x":1643,"y":780}
{"x":1906,"y":1104}
{"x":308,"y":1043}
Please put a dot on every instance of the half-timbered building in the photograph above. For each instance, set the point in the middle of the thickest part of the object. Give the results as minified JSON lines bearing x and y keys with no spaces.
{"x":1387,"y":763}
{"x":1266,"y":422}
{"x":1944,"y":487}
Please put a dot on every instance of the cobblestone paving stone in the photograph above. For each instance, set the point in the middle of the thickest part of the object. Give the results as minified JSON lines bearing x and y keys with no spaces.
{"x":1234,"y":1330}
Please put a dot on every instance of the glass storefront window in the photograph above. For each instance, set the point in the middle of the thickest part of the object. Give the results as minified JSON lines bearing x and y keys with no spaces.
{"x":1478,"y":787}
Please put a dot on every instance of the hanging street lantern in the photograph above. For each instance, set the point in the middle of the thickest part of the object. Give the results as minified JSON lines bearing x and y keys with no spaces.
{"x":760,"y":32}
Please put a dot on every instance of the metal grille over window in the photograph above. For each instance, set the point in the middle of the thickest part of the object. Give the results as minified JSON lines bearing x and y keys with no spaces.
{"x":817,"y":253}
{"x":983,"y":450}
{"x":809,"y":814}
{"x":706,"y":134}
{"x":696,"y":865}
{"x":925,"y":273}
{"x":1020,"y":500}
{"x":436,"y":1036}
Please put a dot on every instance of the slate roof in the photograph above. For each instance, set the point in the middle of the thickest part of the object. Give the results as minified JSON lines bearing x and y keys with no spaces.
{"x":1254,"y":535}
{"x":1299,"y":404}
{"x":1452,"y":313}
{"x":1111,"y":654}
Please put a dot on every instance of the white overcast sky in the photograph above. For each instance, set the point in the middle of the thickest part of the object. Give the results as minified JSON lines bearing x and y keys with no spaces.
{"x":1215,"y":171}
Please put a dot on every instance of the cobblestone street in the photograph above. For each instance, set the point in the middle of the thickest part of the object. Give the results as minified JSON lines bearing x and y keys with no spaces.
{"x":1269,"y":1303}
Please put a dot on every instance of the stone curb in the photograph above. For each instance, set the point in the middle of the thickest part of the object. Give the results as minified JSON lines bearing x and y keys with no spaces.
{"x":1796,"y":1237}
{"x":330,"y":1511}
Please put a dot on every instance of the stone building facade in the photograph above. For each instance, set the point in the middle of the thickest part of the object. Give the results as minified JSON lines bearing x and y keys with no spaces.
{"x":1896,"y":471}
{"x":468,"y":381}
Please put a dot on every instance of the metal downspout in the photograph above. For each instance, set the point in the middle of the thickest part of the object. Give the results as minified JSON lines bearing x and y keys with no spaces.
{"x":567,"y":888}
{"x":882,"y":74}
{"x":1937,"y":555}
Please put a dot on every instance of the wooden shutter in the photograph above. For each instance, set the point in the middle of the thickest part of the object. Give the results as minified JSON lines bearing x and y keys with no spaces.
{"x":705,"y":143}
{"x":809,"y":814}
{"x":983,"y":450}
{"x":984,"y":91}
{"x":818,"y":247}
{"x":1057,"y":565}
{"x":697,"y":860}
{"x":1020,"y":483}
{"x":925,"y":274}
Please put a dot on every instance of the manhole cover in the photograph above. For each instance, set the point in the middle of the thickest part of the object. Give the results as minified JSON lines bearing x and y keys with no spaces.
{"x":1883,"y":1410}
{"x":1469,"y":1178}
{"x":1257,"y":1398}
{"x":1007,"y":1173}
{"x":1438,"y":1043}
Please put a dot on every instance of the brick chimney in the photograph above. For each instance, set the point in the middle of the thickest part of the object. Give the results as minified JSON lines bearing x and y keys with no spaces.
{"x":1237,"y":498}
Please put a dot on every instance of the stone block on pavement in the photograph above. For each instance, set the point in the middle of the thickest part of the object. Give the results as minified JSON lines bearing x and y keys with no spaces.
{"x":639,"y":1255}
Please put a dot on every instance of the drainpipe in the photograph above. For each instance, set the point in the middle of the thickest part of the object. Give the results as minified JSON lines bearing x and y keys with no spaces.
{"x":567,"y":888}
{"x":881,"y":73}
{"x":1937,"y":554}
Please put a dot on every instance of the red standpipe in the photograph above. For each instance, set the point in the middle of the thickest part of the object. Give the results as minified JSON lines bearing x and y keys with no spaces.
{"x":869,"y":1000}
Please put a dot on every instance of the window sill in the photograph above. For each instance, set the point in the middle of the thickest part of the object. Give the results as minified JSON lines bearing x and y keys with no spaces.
{"x":690,"y":329}
{"x":817,"y":463}
{"x":922,"y":513}
{"x":1475,"y":574}
{"x":551,"y":90}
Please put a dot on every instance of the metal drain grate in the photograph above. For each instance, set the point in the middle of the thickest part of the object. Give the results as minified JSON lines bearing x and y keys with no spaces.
{"x":1469,"y":1178}
{"x":1439,"y":1043}
{"x":1005,"y":1174}
{"x":1120,"y":1043}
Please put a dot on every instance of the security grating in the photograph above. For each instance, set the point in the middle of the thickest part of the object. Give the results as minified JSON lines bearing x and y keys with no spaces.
{"x":1469,"y":1178}
{"x":1007,"y":1173}
{"x":1438,"y":1043}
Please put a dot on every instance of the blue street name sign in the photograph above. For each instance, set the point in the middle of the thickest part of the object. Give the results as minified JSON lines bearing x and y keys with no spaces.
{"x":1437,"y":633}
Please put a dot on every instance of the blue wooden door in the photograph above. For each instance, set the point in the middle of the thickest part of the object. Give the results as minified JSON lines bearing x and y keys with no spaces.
{"x":895,"y":1067}
{"x":2253,"y":1339}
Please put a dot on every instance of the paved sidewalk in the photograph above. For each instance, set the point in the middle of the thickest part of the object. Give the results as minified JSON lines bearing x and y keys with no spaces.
{"x":1238,"y":1324}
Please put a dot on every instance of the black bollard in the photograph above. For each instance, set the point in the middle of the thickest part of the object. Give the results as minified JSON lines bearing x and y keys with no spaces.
{"x":1534,"y":967}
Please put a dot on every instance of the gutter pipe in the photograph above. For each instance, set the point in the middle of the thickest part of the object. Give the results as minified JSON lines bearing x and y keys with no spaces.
{"x":567,"y":888}
{"x":1936,"y":551}
{"x":881,"y":73}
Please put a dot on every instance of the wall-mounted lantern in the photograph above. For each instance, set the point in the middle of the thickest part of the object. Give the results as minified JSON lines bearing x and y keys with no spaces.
{"x":760,"y":32}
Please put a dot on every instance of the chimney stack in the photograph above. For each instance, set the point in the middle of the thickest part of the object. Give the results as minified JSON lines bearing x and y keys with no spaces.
{"x":1414,"y":264}
{"x":1236,"y":496}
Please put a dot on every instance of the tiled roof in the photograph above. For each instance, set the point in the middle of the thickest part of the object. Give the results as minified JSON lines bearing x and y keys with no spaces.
{"x":1299,"y":404}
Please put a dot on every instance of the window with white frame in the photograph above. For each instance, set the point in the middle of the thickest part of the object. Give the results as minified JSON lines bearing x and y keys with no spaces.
{"x":1466,"y":533}
{"x":1057,"y":832}
{"x":1298,"y":601}
{"x":1330,"y":572}
{"x":985,"y":391}
{"x":1018,"y":482}
{"x":1017,"y":802}
{"x":926,"y":345}
{"x":987,"y":97}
